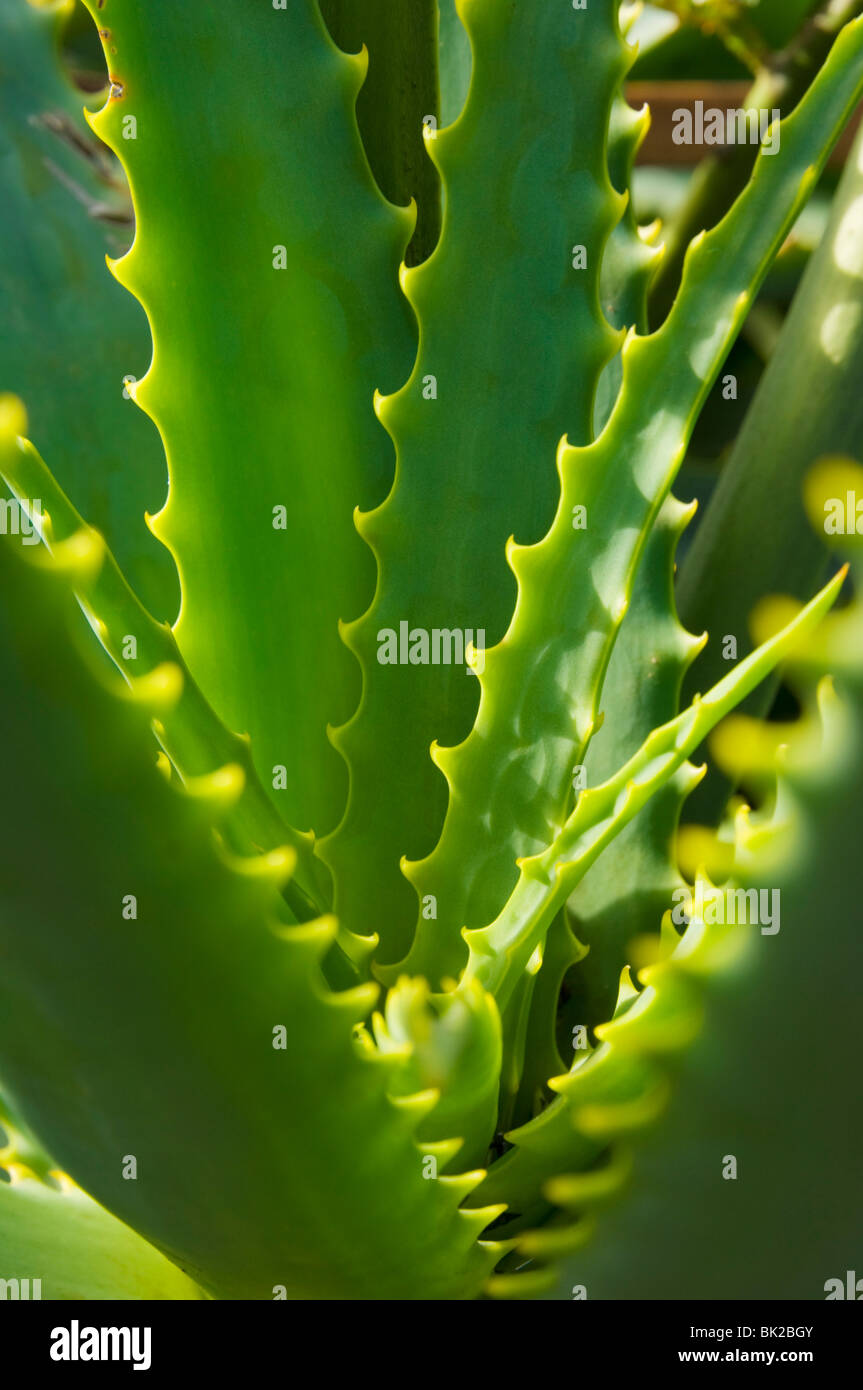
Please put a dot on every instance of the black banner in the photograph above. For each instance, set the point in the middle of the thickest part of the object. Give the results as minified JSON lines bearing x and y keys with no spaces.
{"x":84,"y":1339}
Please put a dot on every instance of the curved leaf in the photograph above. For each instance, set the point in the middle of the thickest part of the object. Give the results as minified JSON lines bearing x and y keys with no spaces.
{"x":70,"y":335}
{"x":164,"y":1034}
{"x":265,"y":359}
{"x":515,"y":321}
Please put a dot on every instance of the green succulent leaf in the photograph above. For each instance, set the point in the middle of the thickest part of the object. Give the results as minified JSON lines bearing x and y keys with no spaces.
{"x":397,"y":100}
{"x":629,"y":258}
{"x":510,"y":780}
{"x":514,"y":320}
{"x":70,"y":335}
{"x":704,"y":1022}
{"x":52,"y":1232}
{"x":155,"y":1012}
{"x":627,"y":891}
{"x":500,"y":952}
{"x":189,"y":731}
{"x":455,"y":61}
{"x":626,"y":894}
{"x":271,"y":445}
{"x":781,"y":80}
{"x":342,"y":951}
{"x":740,"y":1086}
{"x":755,"y":536}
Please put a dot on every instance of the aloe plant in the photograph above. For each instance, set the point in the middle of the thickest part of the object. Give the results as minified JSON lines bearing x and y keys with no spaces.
{"x":339,"y":958}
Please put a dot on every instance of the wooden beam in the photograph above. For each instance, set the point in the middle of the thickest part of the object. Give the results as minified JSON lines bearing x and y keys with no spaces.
{"x":664,"y":98}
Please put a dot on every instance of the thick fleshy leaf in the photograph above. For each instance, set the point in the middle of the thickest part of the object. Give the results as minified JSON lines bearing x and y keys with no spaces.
{"x":53,"y":1233}
{"x":755,"y":537}
{"x":69,"y":333}
{"x":166,"y":1037}
{"x":510,"y":780}
{"x":500,"y":952}
{"x":511,"y":345}
{"x":266,"y":260}
{"x":189,"y":731}
{"x":724,"y":1171}
{"x":628,"y":888}
{"x":711,"y":1038}
{"x":398,"y":101}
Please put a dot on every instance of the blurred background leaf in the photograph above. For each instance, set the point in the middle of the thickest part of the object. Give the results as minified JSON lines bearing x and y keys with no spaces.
{"x":70,"y":332}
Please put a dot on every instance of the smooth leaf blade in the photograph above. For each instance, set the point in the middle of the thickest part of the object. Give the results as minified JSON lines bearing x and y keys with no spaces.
{"x":53,"y":1233}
